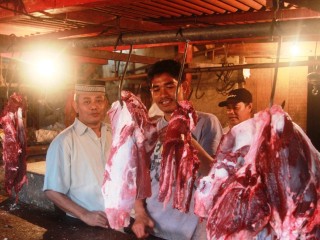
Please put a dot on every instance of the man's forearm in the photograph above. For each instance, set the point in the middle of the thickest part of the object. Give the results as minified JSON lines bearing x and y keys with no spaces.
{"x":139,"y":206}
{"x":65,"y":204}
{"x":205,"y":159}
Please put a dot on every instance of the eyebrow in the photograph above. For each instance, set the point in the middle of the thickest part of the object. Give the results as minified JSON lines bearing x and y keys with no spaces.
{"x":165,"y":84}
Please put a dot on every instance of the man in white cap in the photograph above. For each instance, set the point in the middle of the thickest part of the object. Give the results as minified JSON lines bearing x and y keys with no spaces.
{"x":76,"y":159}
{"x":238,"y":106}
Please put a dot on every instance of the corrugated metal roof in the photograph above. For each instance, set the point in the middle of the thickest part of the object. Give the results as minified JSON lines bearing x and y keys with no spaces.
{"x":76,"y":19}
{"x":114,"y":17}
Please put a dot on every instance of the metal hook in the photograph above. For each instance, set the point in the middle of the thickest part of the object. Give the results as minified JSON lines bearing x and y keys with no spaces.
{"x":274,"y":19}
{"x":119,"y":40}
{"x":182,"y":68}
{"x":139,"y":89}
{"x":123,"y":75}
{"x":197,"y":89}
{"x":275,"y":72}
{"x":179,"y":32}
{"x":117,"y":66}
{"x":190,"y":94}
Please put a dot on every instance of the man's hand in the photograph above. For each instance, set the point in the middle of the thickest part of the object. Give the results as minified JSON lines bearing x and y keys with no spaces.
{"x":142,"y":226}
{"x":95,"y":218}
{"x":162,"y":134}
{"x":92,"y":218}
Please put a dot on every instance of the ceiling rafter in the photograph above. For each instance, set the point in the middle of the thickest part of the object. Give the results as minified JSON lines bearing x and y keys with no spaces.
{"x":243,"y":17}
{"x":147,"y":22}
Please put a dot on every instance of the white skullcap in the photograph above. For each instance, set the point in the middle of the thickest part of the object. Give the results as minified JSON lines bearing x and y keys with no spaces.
{"x":90,"y":88}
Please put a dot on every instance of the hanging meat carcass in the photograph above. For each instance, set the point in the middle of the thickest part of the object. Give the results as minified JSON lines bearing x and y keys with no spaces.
{"x":14,"y":144}
{"x":179,"y":163}
{"x":266,"y":181}
{"x":127,"y":171}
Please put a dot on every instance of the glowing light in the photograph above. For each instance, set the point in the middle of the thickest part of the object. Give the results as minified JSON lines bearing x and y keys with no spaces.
{"x":46,"y":68}
{"x":246,"y":73}
{"x":294,"y":50}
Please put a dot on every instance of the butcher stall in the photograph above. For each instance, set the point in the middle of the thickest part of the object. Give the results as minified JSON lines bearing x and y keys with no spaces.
{"x":264,"y":182}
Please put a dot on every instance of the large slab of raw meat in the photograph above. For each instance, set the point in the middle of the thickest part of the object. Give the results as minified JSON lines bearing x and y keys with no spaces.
{"x":14,"y":144}
{"x":265,"y":182}
{"x":180,"y":162}
{"x":127,"y":171}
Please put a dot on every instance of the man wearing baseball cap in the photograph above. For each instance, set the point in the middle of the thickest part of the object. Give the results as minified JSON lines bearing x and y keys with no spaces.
{"x":238,"y":105}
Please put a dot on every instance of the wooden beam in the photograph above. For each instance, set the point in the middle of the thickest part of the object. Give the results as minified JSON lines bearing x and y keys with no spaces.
{"x":105,"y":26}
{"x":55,"y":5}
{"x":112,"y":56}
{"x":97,"y":57}
{"x":128,"y":77}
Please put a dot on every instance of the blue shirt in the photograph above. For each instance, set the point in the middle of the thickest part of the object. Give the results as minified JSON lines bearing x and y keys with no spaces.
{"x":170,"y":223}
{"x":75,"y":164}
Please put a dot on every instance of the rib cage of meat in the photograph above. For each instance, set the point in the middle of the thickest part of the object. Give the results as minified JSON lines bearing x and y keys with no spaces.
{"x":127,"y":174}
{"x":265,"y":179}
{"x":14,"y":144}
{"x":179,"y":163}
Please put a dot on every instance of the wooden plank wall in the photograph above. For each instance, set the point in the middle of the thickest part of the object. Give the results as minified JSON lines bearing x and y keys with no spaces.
{"x":291,"y":86}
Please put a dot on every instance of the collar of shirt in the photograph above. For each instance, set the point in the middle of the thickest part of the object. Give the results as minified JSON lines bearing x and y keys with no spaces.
{"x":81,"y":128}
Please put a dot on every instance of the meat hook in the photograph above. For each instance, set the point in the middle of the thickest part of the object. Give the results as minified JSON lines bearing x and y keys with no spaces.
{"x":123,"y":75}
{"x":182,"y":68}
{"x":190,"y":94}
{"x":275,"y":72}
{"x":117,"y":66}
{"x":197,"y":89}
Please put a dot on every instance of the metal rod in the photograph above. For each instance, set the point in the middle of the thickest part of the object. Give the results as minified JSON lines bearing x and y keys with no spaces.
{"x":275,"y":76}
{"x":223,"y":68}
{"x":285,"y":28}
{"x":250,"y":66}
{"x":182,"y":68}
{"x":123,"y":75}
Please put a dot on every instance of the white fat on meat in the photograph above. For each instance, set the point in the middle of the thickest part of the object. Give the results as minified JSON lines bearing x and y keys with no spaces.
{"x":118,"y":203}
{"x":127,"y":173}
{"x":243,"y":134}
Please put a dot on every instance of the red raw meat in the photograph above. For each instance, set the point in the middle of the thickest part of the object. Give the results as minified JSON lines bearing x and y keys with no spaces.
{"x":267,"y":176}
{"x":127,"y":171}
{"x":14,"y":144}
{"x":179,"y":163}
{"x":290,"y":168}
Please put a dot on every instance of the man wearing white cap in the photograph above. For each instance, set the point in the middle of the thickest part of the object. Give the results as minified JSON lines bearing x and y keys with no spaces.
{"x":76,"y":159}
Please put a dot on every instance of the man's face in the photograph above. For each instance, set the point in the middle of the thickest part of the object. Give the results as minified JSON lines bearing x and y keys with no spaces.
{"x":163,"y":90}
{"x":238,"y":112}
{"x":91,"y":107}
